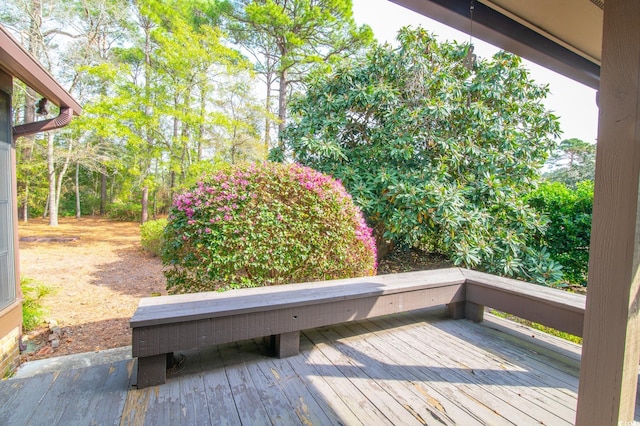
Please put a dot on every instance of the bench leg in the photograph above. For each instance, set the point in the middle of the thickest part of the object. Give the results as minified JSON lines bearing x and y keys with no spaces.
{"x":152,"y":370}
{"x":468,"y":310}
{"x":287,"y":344}
{"x":456,"y":310}
{"x":473,"y":312}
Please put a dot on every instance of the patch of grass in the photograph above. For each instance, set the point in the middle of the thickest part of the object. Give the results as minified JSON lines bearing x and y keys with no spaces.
{"x":539,"y":327}
{"x":32,"y":310}
{"x":8,"y":373}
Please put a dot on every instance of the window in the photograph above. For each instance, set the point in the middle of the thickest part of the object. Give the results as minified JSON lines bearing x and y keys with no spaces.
{"x":7,"y":264}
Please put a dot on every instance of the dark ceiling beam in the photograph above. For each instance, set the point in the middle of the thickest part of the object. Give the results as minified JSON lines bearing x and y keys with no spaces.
{"x":501,"y":31}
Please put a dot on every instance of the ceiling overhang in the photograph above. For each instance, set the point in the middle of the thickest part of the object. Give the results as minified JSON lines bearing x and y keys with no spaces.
{"x":564,"y":36}
{"x":17,"y":62}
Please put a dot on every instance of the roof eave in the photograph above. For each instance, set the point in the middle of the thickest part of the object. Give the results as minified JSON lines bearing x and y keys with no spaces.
{"x":505,"y":33}
{"x":16,"y":61}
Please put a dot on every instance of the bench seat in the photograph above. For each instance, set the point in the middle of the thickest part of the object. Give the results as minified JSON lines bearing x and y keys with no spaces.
{"x":166,"y":324}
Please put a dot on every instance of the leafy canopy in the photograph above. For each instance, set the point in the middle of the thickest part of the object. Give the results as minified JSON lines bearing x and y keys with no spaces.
{"x":435,"y":153}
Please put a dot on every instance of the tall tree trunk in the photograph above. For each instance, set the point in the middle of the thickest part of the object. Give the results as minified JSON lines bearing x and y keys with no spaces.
{"x":78,"y":212}
{"x":103,"y":192}
{"x":267,"y":119}
{"x":282,"y":107}
{"x":145,"y":204}
{"x":51,"y":168}
{"x":147,"y":26}
{"x":203,"y":110}
{"x":185,"y":155}
{"x":45,"y":212}
{"x":54,"y":203}
{"x":25,"y":206}
{"x":176,"y":143}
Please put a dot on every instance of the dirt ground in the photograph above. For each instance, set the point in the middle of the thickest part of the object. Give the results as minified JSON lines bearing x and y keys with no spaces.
{"x":98,"y":272}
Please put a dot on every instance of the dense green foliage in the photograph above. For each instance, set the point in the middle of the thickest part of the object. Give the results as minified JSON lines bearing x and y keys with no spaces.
{"x":164,"y":86}
{"x":435,"y":153}
{"x":569,"y":230}
{"x":32,"y":310}
{"x":263,"y":225}
{"x":152,"y":236}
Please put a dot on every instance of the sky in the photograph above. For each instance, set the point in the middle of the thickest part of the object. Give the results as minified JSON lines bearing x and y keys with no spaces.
{"x":572,"y":102}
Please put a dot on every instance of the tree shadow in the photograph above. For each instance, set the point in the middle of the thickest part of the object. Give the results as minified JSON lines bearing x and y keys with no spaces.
{"x":136,"y":274}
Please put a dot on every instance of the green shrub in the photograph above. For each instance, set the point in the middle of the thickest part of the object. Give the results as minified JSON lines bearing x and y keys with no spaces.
{"x":32,"y":310}
{"x":130,"y":212}
{"x":265,"y":224}
{"x":436,"y":155}
{"x":569,"y":230}
{"x":151,"y":236}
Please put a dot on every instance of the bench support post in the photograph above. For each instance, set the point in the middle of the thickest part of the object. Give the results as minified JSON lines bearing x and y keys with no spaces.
{"x":287,"y":344}
{"x":473,"y":312}
{"x":469,"y":310}
{"x":152,"y":370}
{"x":456,"y":310}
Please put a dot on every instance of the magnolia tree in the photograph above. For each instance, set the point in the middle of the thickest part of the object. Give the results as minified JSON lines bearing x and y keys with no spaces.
{"x":436,"y":148}
{"x":266,"y":224}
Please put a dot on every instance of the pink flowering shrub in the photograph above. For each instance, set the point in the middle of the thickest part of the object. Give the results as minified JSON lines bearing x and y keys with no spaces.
{"x":265,"y":224}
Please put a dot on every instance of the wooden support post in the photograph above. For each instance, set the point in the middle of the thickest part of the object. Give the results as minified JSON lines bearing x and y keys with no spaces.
{"x":473,"y":312}
{"x":152,"y":370}
{"x":287,"y":344}
{"x":456,"y":310}
{"x":610,"y":351}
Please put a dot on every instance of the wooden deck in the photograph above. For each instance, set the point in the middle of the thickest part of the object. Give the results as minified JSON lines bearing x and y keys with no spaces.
{"x":412,"y":368}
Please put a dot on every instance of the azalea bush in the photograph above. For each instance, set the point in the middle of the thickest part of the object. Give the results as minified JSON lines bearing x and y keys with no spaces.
{"x":265,"y":224}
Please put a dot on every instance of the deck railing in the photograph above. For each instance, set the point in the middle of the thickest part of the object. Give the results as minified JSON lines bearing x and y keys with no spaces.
{"x":551,"y":307}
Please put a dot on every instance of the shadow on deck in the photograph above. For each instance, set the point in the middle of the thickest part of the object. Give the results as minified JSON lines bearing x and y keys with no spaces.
{"x":412,"y":368}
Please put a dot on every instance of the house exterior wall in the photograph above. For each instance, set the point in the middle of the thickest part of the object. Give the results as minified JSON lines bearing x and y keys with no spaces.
{"x":11,"y":301}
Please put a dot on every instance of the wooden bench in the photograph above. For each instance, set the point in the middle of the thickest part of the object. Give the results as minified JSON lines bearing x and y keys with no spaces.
{"x":163,"y":325}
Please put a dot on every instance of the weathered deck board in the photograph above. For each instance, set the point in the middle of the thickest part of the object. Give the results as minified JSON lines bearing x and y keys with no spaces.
{"x":112,"y":396}
{"x":84,"y":396}
{"x":412,"y":398}
{"x":307,"y":409}
{"x":266,"y":381}
{"x":222,"y":407}
{"x":477,"y":368}
{"x":372,"y":389}
{"x":470,"y":391}
{"x":436,"y":379}
{"x":448,"y":382}
{"x":25,"y":395}
{"x":560,"y":376}
{"x":247,"y":401}
{"x":324,"y":378}
{"x":511,"y":373}
{"x":82,"y":390}
{"x":411,"y":368}
{"x":442,"y":401}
